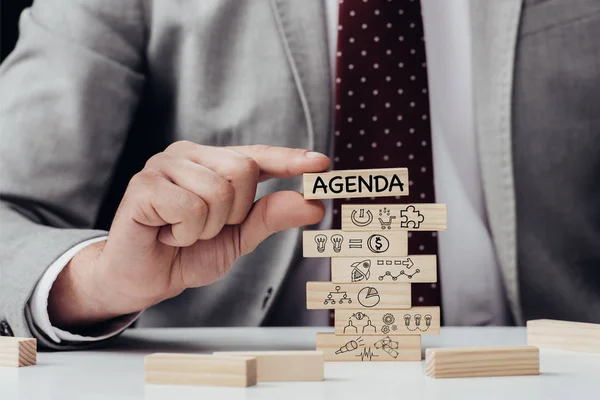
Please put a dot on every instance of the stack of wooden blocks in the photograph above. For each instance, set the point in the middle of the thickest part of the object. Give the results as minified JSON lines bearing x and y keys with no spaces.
{"x":371,"y":270}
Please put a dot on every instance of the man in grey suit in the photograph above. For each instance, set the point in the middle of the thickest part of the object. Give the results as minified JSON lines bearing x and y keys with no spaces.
{"x":97,"y":90}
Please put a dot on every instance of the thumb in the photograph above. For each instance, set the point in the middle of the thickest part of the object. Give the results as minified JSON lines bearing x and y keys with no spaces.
{"x":277,"y":212}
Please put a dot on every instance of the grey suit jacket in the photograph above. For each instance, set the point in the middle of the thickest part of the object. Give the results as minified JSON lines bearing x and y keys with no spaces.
{"x":95,"y":87}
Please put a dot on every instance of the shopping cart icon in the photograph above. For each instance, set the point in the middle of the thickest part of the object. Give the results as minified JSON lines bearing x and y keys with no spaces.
{"x":387,"y":224}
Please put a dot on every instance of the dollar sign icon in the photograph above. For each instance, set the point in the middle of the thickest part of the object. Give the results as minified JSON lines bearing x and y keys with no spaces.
{"x":378,"y":243}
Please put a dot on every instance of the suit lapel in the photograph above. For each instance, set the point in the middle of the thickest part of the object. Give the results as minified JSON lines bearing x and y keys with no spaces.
{"x":302,"y":25}
{"x":494,"y":30}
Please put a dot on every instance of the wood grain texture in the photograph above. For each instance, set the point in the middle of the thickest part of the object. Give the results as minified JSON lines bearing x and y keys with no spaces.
{"x":395,"y":217}
{"x":337,"y":243}
{"x":200,"y":369}
{"x":369,"y":348}
{"x":328,"y":295}
{"x":564,"y":335}
{"x":356,"y":183}
{"x":471,"y":362}
{"x":285,"y":366}
{"x":17,"y":351}
{"x":411,"y":269}
{"x":414,"y":321}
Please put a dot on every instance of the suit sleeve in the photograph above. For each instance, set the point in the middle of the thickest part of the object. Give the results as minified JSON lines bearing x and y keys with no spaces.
{"x":68,"y":94}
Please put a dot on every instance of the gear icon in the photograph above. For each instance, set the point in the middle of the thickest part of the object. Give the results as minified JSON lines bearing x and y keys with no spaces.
{"x":388,"y":319}
{"x":385,"y":329}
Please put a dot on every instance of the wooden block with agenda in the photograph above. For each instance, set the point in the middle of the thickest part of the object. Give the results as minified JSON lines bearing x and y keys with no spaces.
{"x":564,"y":335}
{"x":328,"y":295}
{"x":414,"y":321}
{"x":471,"y":362}
{"x":337,"y":243}
{"x":369,"y":348}
{"x":356,"y":183}
{"x":395,"y":217}
{"x":17,"y":352}
{"x":200,"y":369}
{"x":410,"y":269}
{"x":285,"y":366}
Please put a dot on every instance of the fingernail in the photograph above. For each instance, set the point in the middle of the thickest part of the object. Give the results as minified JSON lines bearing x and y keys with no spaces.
{"x":314,"y":154}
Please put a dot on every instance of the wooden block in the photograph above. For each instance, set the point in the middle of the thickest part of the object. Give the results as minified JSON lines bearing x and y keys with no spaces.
{"x":411,"y":269}
{"x":200,"y":369}
{"x":335,"y":243}
{"x":564,"y":335}
{"x":369,"y":348}
{"x":470,"y":362}
{"x":395,"y":217}
{"x":414,"y":321}
{"x":328,"y":295}
{"x":17,"y":352}
{"x":356,"y":183}
{"x":285,"y":366}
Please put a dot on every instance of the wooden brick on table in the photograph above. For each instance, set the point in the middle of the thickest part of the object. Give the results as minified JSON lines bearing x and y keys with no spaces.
{"x":328,"y":295}
{"x":17,"y":351}
{"x":564,"y":335}
{"x":285,"y":366}
{"x":337,"y":243}
{"x":414,"y":321}
{"x":356,"y":183}
{"x":200,"y":369}
{"x":401,"y":217}
{"x":468,"y":362}
{"x":369,"y":348}
{"x":411,"y":269}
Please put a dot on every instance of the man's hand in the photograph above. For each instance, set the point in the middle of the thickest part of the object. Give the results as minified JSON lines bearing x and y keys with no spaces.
{"x":183,"y":221}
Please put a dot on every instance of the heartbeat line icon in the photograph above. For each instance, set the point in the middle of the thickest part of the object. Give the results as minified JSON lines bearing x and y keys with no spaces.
{"x":366,"y":354}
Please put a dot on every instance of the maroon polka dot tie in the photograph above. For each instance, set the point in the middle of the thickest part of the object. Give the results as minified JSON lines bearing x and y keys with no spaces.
{"x":382,"y":107}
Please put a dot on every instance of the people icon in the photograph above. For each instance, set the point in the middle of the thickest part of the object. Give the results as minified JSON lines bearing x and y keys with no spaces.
{"x":369,"y":327}
{"x":350,"y":328}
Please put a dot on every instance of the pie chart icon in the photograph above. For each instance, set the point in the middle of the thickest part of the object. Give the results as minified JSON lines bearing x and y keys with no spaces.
{"x":368,"y":297}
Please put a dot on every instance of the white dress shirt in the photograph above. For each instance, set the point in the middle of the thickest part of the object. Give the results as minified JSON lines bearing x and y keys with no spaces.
{"x":472,"y":289}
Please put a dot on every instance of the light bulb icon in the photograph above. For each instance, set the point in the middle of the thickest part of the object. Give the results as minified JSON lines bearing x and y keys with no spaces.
{"x":337,"y":242}
{"x":417,"y":319}
{"x":407,"y":319}
{"x":428,"y":320}
{"x":320,"y":240}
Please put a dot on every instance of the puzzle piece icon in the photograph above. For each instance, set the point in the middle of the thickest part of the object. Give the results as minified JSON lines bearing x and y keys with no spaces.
{"x":411,"y":218}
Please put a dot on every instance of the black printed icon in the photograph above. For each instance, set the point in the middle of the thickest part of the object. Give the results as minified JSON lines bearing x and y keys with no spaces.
{"x":367,"y":354}
{"x":321,"y":241}
{"x":388,"y":345}
{"x":388,"y":321}
{"x":385,"y":219}
{"x":368,"y":297}
{"x":408,"y":263}
{"x":360,"y":271}
{"x":378,"y":243}
{"x":417,"y":324}
{"x":355,"y":243}
{"x":363,"y":321}
{"x":361,"y":219}
{"x":337,"y":241}
{"x":350,"y":346}
{"x":341,"y":296}
{"x":411,"y":218}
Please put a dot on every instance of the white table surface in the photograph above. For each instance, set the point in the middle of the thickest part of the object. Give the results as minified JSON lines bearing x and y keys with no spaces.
{"x":117,"y":371}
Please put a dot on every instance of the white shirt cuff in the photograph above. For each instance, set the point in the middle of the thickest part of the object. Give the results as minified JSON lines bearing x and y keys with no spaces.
{"x":38,"y":303}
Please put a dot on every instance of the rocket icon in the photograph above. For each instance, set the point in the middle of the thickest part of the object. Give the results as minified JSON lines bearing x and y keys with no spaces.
{"x":360,"y":271}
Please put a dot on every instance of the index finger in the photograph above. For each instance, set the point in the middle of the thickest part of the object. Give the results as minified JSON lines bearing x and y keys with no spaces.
{"x":283,"y":162}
